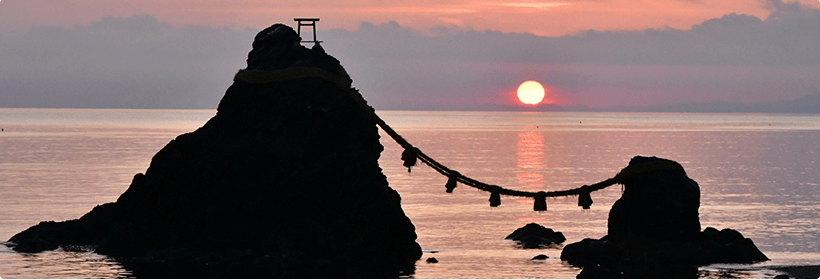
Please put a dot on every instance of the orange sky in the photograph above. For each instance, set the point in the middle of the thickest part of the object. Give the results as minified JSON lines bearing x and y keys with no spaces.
{"x":551,"y":18}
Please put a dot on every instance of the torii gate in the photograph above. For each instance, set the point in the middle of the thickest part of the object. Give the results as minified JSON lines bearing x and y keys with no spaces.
{"x":307,"y":22}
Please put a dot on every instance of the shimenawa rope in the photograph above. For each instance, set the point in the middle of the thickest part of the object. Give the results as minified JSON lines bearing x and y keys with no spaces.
{"x":410,"y":153}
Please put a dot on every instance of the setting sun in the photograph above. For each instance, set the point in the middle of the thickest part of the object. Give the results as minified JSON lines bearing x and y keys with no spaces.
{"x":530,"y":92}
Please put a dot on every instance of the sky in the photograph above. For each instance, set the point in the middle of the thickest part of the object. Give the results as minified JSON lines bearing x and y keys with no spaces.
{"x":420,"y":55}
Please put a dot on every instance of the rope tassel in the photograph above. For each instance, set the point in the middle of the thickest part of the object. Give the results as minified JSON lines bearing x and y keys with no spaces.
{"x":409,"y":157}
{"x":540,"y":202}
{"x":584,"y":199}
{"x":495,"y":197}
{"x":452,"y":181}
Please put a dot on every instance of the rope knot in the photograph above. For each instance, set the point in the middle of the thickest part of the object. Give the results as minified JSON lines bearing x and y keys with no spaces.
{"x":540,"y":203}
{"x":409,"y":157}
{"x":495,"y":197}
{"x":584,"y":199}
{"x":452,"y":180}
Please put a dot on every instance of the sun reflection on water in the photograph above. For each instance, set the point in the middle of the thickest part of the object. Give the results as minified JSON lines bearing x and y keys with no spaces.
{"x":530,"y":156}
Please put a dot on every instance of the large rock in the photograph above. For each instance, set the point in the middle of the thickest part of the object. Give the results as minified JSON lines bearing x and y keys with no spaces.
{"x":654,"y":230}
{"x":283,"y":182}
{"x":660,"y":205}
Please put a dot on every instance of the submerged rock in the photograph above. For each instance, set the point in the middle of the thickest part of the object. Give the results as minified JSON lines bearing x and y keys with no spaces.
{"x":654,"y":230}
{"x":540,"y":257}
{"x":533,"y":236}
{"x":283,"y":182}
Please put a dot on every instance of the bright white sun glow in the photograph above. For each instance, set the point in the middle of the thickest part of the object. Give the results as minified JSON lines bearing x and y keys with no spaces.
{"x":530,"y":92}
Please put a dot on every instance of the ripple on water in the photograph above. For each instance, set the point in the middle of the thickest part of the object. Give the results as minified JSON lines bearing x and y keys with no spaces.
{"x":59,"y":264}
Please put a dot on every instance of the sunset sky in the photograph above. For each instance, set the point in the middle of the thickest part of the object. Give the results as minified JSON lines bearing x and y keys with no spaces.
{"x":445,"y":54}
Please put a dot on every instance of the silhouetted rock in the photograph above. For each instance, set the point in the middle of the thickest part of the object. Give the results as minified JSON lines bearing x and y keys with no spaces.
{"x":728,"y":246}
{"x":656,"y":205}
{"x":532,"y":236}
{"x":540,"y":257}
{"x":654,"y":230}
{"x":283,"y":182}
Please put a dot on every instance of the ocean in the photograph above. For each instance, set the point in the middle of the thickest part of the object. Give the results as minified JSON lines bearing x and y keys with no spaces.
{"x":758,"y":174}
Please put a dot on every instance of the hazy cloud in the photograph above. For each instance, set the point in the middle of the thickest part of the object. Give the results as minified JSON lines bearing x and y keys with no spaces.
{"x":134,"y":62}
{"x":732,"y":39}
{"x":738,"y":58}
{"x":139,"y":62}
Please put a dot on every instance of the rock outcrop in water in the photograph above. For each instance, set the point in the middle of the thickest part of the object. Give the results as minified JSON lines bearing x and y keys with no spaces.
{"x":654,"y":231}
{"x":533,"y":236}
{"x":283,"y":182}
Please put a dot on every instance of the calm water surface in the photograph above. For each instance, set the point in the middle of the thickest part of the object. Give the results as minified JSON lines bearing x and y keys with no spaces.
{"x":758,"y":174}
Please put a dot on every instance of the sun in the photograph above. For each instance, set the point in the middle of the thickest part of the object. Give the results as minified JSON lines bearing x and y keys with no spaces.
{"x":530,"y":92}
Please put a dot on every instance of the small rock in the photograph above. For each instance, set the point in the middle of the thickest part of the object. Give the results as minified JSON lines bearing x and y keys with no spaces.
{"x":432,"y":260}
{"x":533,"y":236}
{"x":728,"y":246}
{"x":540,"y":257}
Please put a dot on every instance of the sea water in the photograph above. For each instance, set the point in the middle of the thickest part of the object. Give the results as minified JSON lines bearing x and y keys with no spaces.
{"x":758,"y":174}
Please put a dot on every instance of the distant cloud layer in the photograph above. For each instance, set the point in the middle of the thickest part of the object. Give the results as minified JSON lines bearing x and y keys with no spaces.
{"x":134,"y":62}
{"x":733,"y":58}
{"x":139,"y":62}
